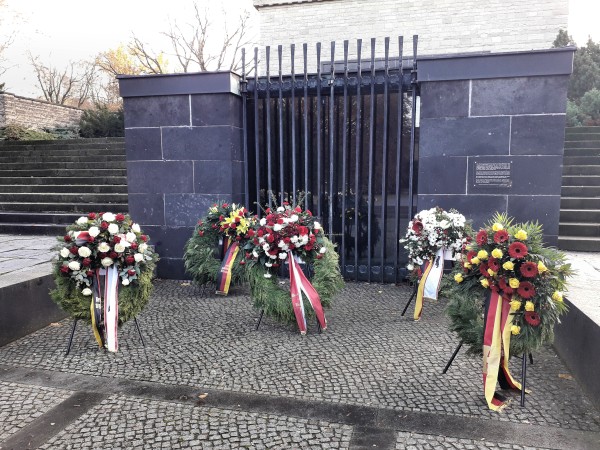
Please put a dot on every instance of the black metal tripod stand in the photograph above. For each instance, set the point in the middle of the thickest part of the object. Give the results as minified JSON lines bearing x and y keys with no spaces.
{"x":137,"y":326}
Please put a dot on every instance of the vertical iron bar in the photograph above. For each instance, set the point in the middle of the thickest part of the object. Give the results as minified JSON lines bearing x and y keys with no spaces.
{"x":306,"y":178}
{"x":384,"y":153}
{"x":398,"y":158}
{"x":358,"y":154}
{"x":256,"y":136}
{"x":280,"y":118}
{"x":268,"y":136}
{"x":244,"y":92}
{"x":331,"y":138}
{"x":412,"y":128}
{"x":319,"y":132}
{"x":371,"y":160}
{"x":293,"y":108}
{"x":344,"y":157}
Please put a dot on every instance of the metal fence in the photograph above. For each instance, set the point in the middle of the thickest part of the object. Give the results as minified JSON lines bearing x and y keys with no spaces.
{"x":344,"y":135}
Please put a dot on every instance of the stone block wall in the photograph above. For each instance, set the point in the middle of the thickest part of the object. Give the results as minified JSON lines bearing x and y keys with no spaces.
{"x":492,"y":135}
{"x":184,"y":151}
{"x":36,"y":114}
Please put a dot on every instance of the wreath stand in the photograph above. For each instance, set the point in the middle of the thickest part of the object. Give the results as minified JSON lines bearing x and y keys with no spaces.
{"x":262,"y":312}
{"x":523,"y":369}
{"x":137,"y":326}
{"x":446,"y":271}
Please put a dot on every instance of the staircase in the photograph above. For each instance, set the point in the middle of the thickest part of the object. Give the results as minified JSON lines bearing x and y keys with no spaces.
{"x":579,"y":228}
{"x":46,"y":185}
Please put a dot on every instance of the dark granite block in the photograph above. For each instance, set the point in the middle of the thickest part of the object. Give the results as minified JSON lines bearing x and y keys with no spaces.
{"x":157,"y":111}
{"x":542,"y":208}
{"x":551,"y":240}
{"x":528,"y":175}
{"x":202,"y":143}
{"x":464,"y":136}
{"x":185,"y":209}
{"x":147,"y":209}
{"x":160,"y":176}
{"x":217,"y":109}
{"x":172,"y":269}
{"x":478,"y":208}
{"x":169,"y":242}
{"x":523,"y":95}
{"x":143,"y":144}
{"x":537,"y":135}
{"x":442,"y":175}
{"x":215,"y":177}
{"x":445,"y":99}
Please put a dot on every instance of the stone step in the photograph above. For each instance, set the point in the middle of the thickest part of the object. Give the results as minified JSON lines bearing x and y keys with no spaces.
{"x":582,"y":152}
{"x":61,"y":173}
{"x":581,"y":160}
{"x":588,"y":129}
{"x":579,"y":229}
{"x":64,"y":188}
{"x":54,"y":158}
{"x":582,"y":144}
{"x":52,"y":148}
{"x":82,"y":208}
{"x":581,"y":180}
{"x":105,"y":140}
{"x":43,"y":229}
{"x":580,"y":203}
{"x":62,"y":219}
{"x":579,"y":244}
{"x":115,"y":152}
{"x":580,"y":215}
{"x":78,"y":180}
{"x":581,"y":170}
{"x":582,"y":136}
{"x":580,"y":191}
{"x":79,"y":166}
{"x":73,"y":197}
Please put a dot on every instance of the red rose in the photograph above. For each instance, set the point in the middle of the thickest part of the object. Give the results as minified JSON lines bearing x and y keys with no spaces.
{"x":319,"y":256}
{"x":298,"y":209}
{"x":221,"y":218}
{"x":417,"y":226}
{"x":104,"y":225}
{"x":526,"y":289}
{"x":90,"y":273}
{"x":113,"y":255}
{"x":134,"y":245}
{"x":200,"y":222}
{"x":308,"y":247}
{"x":529,"y":269}
{"x":214,"y":226}
{"x":250,"y":233}
{"x":201,"y":233}
{"x":129,"y":259}
{"x":67,"y":238}
{"x":532,"y":318}
{"x":64,"y":269}
{"x":308,"y":212}
{"x":87,"y":262}
{"x":280,"y":221}
{"x":237,"y":219}
{"x":260,"y":233}
{"x":90,"y":239}
{"x":270,"y":238}
{"x":233,"y":226}
{"x":517,"y":250}
{"x":102,"y":255}
{"x":500,"y":236}
{"x":225,"y":205}
{"x":131,"y":272}
{"x":242,"y":262}
{"x":248,"y":255}
{"x":119,"y":217}
{"x":73,"y":250}
{"x":285,"y":203}
{"x":91,"y":216}
{"x":268,"y":210}
{"x":482,"y":237}
{"x":116,"y":239}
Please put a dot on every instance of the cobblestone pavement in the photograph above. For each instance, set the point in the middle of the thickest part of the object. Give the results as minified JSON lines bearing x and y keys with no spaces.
{"x":369,"y":357}
{"x":22,"y":257}
{"x":415,"y":441}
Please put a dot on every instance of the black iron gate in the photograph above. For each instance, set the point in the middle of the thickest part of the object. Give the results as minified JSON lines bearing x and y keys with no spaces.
{"x":344,"y":135}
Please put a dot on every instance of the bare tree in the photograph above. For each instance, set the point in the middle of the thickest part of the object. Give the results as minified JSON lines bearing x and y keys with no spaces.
{"x":5,"y":41}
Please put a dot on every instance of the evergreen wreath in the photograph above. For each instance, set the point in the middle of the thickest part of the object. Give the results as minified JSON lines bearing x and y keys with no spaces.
{"x":511,"y":259}
{"x":202,"y":251}
{"x":100,"y":240}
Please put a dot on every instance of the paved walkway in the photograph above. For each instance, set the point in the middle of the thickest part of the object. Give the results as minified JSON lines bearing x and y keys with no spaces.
{"x":207,"y":379}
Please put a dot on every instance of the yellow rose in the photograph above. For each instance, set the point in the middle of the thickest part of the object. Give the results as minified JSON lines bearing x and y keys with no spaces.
{"x":497,"y":227}
{"x":485,"y":283}
{"x":542,"y":268}
{"x":475,"y":260}
{"x":508,"y":265}
{"x":468,"y":265}
{"x":513,"y":283}
{"x":521,"y":235}
{"x":491,"y":272}
{"x":515,"y":329}
{"x":482,"y":255}
{"x":497,"y":253}
{"x":458,"y":278}
{"x":557,"y":296}
{"x":529,"y":306}
{"x":515,"y":305}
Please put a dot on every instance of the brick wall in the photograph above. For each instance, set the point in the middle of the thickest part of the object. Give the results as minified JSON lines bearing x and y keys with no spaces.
{"x":443,"y":26}
{"x":36,"y":114}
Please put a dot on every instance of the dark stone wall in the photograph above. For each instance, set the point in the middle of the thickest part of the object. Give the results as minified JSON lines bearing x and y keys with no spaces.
{"x":183,"y":153}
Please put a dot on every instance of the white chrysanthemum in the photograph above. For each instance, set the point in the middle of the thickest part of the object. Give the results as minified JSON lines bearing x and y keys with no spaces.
{"x":113,"y":228}
{"x":82,"y":220}
{"x":94,"y":231}
{"x":261,"y":240}
{"x":269,"y":264}
{"x":267,"y":275}
{"x":263,"y":222}
{"x":281,"y":209}
{"x":266,"y":246}
{"x":294,"y":218}
{"x":142,"y":248}
{"x":108,"y":216}
{"x":138,"y":257}
{"x":136,"y":228}
{"x":130,"y":237}
{"x":277,"y":227}
{"x":103,"y":247}
{"x":106,"y":262}
{"x":125,"y":282}
{"x":323,"y":250}
{"x":87,"y":291}
{"x":317,"y":226}
{"x":280,"y":244}
{"x":282,"y":255}
{"x":74,"y":265}
{"x":64,"y":252}
{"x":410,"y":267}
{"x":119,"y":248}
{"x":84,"y":252}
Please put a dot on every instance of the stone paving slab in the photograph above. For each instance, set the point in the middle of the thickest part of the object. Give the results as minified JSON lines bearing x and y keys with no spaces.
{"x":25,"y":257}
{"x":418,"y":441}
{"x":582,"y":286}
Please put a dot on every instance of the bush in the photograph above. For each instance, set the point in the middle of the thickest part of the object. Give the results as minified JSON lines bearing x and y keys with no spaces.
{"x":102,"y":122}
{"x":573,"y":114}
{"x":14,"y":132}
{"x":590,"y":107}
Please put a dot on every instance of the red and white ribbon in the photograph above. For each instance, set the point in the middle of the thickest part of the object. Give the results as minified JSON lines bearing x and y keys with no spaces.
{"x":299,"y":284}
{"x":111,"y":308}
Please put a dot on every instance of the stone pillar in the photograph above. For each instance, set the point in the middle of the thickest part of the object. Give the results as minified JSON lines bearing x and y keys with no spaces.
{"x":183,"y":140}
{"x":492,"y":135}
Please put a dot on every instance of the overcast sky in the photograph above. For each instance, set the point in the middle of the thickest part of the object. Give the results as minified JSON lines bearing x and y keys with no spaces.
{"x":59,"y":31}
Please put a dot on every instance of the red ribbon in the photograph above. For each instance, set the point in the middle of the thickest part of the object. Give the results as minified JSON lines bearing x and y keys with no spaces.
{"x":299,"y":284}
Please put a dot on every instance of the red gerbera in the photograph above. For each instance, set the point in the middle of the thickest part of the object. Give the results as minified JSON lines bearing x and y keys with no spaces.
{"x":483,"y":267}
{"x":471,"y":255}
{"x":532,"y":318}
{"x":505,"y":287}
{"x":526,"y":289}
{"x":482,"y":237}
{"x":517,"y":250}
{"x":529,"y":269}
{"x":500,"y":236}
{"x":494,"y":264}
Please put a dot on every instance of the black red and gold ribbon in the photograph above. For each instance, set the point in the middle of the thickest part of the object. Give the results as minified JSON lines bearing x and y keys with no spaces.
{"x":224,"y":275}
{"x":429,"y":284}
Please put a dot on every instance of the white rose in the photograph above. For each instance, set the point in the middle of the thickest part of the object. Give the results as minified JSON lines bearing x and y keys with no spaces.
{"x":84,"y":252}
{"x":263,"y":222}
{"x":317,"y":226}
{"x":94,"y":231}
{"x":277,"y":227}
{"x":108,"y":216}
{"x":142,"y":248}
{"x":294,"y":218}
{"x":103,"y":247}
{"x":74,"y":265}
{"x":410,"y":267}
{"x":82,"y":220}
{"x":280,"y":209}
{"x":125,"y":282}
{"x":255,"y":253}
{"x":138,"y":257}
{"x":266,"y":247}
{"x":281,"y":244}
{"x":269,"y":264}
{"x":136,"y":228}
{"x":106,"y":262}
{"x":282,"y":255}
{"x":273,"y":256}
{"x":130,"y":237}
{"x":64,"y":252}
{"x":267,"y":275}
{"x":113,"y":228}
{"x":87,"y":291}
{"x":323,"y":250}
{"x":119,"y":248}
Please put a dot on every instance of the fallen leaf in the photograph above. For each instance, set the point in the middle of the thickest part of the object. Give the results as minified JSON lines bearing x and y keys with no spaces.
{"x":565,"y":376}
{"x":203,"y":396}
{"x":56,"y":324}
{"x":186,"y":283}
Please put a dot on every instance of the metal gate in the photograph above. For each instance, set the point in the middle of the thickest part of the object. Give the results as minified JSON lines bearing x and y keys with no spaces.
{"x":346,"y":136}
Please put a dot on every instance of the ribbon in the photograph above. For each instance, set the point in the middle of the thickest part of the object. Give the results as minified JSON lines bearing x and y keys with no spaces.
{"x":96,"y":310}
{"x":224,"y":275}
{"x":111,"y":308}
{"x":496,"y":350}
{"x":429,"y":285}
{"x":299,"y":284}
